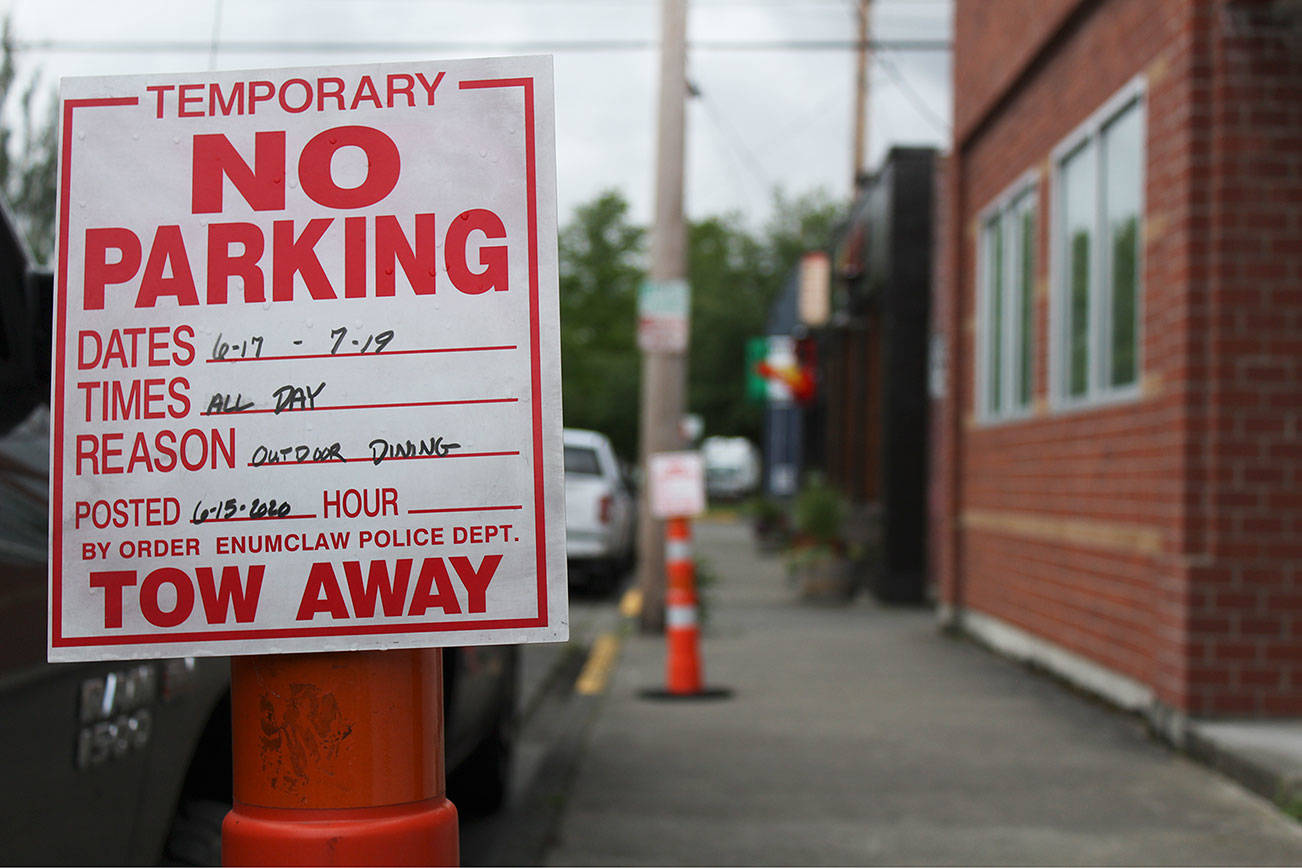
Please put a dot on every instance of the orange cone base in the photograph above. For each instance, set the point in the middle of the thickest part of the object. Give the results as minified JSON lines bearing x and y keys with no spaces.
{"x":683,"y":668}
{"x":418,"y":833}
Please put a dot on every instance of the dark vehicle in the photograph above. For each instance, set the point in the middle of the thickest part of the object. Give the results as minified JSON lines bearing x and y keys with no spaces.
{"x":129,"y":762}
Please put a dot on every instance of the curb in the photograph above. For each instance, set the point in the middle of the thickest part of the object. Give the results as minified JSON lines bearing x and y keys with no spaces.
{"x":1257,"y":771}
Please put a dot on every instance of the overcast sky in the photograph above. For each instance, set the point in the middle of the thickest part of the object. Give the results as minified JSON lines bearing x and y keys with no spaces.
{"x":763,"y":118}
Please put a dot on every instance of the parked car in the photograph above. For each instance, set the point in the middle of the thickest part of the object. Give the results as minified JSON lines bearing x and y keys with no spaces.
{"x":600,"y":510}
{"x":129,"y":762}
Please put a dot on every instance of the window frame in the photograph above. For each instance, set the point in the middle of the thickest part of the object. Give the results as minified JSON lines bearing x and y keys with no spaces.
{"x":1020,"y":196}
{"x":1088,"y":138}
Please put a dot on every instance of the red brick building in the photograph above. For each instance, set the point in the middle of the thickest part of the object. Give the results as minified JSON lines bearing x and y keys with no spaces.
{"x":1116,"y":487}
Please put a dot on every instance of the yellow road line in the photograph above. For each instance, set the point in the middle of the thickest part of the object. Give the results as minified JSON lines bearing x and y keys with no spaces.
{"x":630,"y":605}
{"x":601,"y":661}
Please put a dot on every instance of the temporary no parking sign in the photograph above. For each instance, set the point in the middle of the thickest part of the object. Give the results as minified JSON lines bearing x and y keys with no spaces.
{"x":306,"y":376}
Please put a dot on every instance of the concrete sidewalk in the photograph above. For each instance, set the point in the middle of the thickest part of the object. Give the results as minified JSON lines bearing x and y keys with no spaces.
{"x":860,"y":735}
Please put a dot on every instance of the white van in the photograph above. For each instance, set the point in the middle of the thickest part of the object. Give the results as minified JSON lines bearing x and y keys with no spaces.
{"x":732,"y":467}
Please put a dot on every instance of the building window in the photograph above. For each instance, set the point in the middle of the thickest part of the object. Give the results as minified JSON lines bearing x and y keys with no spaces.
{"x":1096,"y":238}
{"x":1007,"y":291}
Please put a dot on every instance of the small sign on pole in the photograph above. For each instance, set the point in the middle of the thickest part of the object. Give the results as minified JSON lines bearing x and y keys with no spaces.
{"x":677,"y":484}
{"x":663,"y":308}
{"x":306,"y":374}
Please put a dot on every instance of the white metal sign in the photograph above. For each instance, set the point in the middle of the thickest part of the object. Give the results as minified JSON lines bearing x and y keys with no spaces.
{"x":677,"y":484}
{"x":306,"y":377}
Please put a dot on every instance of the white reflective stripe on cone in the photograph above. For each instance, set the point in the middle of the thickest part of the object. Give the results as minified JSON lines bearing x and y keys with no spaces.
{"x":678,"y":550}
{"x":680,"y":616}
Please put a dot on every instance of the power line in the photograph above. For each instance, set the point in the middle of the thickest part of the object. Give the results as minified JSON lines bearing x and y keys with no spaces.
{"x":273,"y":46}
{"x":919,"y":104}
{"x":804,"y":122}
{"x":741,"y":180}
{"x":696,"y":4}
{"x":741,"y":152}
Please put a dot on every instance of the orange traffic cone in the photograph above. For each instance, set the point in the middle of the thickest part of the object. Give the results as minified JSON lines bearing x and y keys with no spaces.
{"x":682,"y":633}
{"x":682,"y":630}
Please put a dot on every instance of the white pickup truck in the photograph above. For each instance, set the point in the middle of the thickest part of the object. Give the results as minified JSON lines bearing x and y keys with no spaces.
{"x":599,"y":511}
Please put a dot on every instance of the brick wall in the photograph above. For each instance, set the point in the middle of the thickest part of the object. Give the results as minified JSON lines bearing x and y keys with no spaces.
{"x":1155,"y":536}
{"x":1245,"y":588}
{"x":994,"y":41}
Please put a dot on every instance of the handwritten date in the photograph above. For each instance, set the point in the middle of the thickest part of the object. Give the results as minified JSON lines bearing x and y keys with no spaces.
{"x":235,"y":508}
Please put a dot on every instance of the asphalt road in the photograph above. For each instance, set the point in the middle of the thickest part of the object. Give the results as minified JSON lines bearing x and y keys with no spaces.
{"x":553,"y":721}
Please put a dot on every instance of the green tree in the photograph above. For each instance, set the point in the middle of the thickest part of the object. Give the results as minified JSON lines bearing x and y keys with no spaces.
{"x":731,"y":294}
{"x":601,"y":255}
{"x":799,"y":225}
{"x":735,"y":276}
{"x":28,"y":152}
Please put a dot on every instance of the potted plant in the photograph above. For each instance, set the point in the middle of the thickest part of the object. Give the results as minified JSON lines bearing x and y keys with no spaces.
{"x":818,"y":559}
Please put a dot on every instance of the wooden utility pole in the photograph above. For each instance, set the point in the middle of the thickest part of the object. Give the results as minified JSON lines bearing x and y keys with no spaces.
{"x":664,"y":374}
{"x":860,"y":167}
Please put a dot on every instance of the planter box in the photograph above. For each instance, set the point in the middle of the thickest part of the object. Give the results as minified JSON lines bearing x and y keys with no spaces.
{"x":824,"y":580}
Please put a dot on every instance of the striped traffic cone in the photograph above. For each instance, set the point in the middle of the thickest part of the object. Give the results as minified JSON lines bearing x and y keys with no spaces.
{"x":682,"y":632}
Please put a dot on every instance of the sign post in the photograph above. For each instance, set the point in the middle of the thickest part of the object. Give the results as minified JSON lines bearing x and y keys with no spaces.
{"x":306,"y":398}
{"x":339,"y":761}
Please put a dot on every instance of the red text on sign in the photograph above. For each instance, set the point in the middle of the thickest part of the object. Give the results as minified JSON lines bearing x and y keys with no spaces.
{"x":294,"y":95}
{"x":176,"y":547}
{"x":236,"y":253}
{"x":395,"y":589}
{"x":107,"y":400}
{"x":115,"y":255}
{"x":127,"y":512}
{"x":161,"y":346}
{"x":166,"y":597}
{"x":263,"y":185}
{"x":194,"y":449}
{"x":353,"y":502}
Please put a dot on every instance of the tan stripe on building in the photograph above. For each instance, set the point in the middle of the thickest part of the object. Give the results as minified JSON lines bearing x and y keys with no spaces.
{"x":1120,"y":536}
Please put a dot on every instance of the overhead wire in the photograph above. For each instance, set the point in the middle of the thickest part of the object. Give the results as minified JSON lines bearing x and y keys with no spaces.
{"x":915,"y":99}
{"x":277,"y":46}
{"x":744,"y":156}
{"x":741,"y":180}
{"x":803,"y":122}
{"x":695,"y":4}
